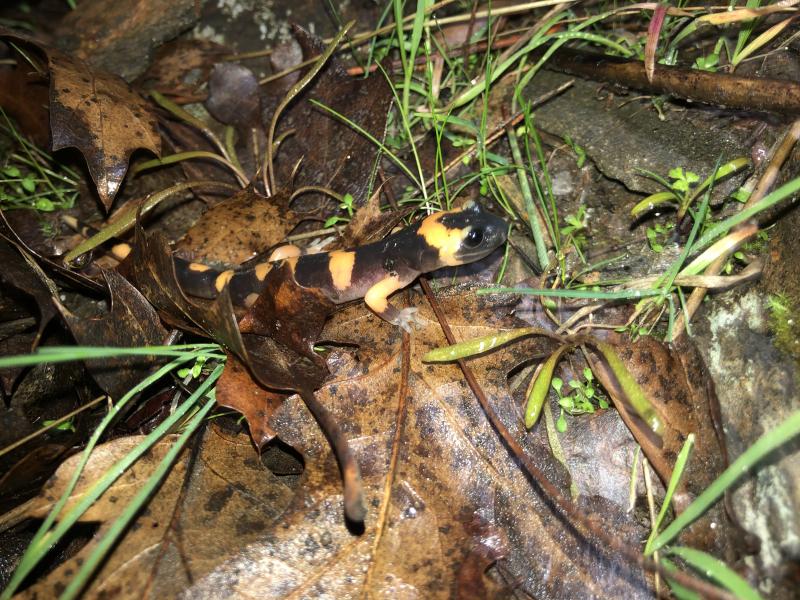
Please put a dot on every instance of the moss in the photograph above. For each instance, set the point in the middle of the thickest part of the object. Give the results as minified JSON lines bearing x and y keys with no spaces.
{"x":784,"y":322}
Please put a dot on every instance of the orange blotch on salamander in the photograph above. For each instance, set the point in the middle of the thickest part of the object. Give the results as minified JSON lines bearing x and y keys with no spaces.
{"x":222,"y":280}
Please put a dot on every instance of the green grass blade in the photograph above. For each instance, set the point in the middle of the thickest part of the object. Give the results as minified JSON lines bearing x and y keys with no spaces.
{"x":59,"y":354}
{"x":654,"y":176}
{"x":584,"y":294}
{"x":595,"y":39}
{"x":745,"y":32}
{"x":103,"y":483}
{"x":533,"y":218}
{"x":669,"y":277}
{"x":680,"y":592}
{"x":121,"y":523}
{"x":537,"y":40}
{"x":633,"y":392}
{"x":394,"y":158}
{"x":677,"y":473}
{"x":652,"y":201}
{"x":44,"y":538}
{"x":763,"y":446}
{"x":401,"y":34}
{"x":787,"y":189}
{"x":413,"y":49}
{"x":541,"y":387}
{"x":480,"y":345}
{"x":717,"y":570}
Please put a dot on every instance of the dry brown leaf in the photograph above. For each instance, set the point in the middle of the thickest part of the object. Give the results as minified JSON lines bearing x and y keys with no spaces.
{"x":96,"y":112}
{"x":21,"y":272}
{"x":23,"y":96}
{"x":130,"y":322}
{"x":445,"y":498}
{"x":100,"y":115}
{"x":332,"y":153}
{"x":209,"y":506}
{"x":237,"y":390}
{"x":239,"y":227}
{"x":175,"y":65}
{"x":450,"y":469}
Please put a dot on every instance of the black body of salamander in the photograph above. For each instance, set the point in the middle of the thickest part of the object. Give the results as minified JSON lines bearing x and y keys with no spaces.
{"x":373,"y":271}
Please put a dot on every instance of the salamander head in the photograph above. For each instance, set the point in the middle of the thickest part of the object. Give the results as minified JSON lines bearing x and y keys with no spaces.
{"x":463,"y":235}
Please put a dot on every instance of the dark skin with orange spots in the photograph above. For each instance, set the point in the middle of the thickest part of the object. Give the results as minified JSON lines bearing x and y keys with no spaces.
{"x":373,"y":271}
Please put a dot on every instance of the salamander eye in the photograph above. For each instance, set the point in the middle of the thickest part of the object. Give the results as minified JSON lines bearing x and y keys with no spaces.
{"x":473,"y":238}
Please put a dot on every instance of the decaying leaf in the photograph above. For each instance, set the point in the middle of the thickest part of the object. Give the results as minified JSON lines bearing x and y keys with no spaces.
{"x":44,"y":392}
{"x":236,"y":389}
{"x":28,"y":473}
{"x":20,"y":343}
{"x":210,"y":507}
{"x":432,"y":466}
{"x":23,"y":96}
{"x":20,"y":272}
{"x":100,"y":115}
{"x":97,"y":113}
{"x":370,"y":223}
{"x":175,"y":65}
{"x":676,"y":384}
{"x":681,"y":391}
{"x":273,"y":363}
{"x":131,"y":322}
{"x":333,"y":154}
{"x":287,"y":313}
{"x":238,"y":228}
{"x":54,"y":268}
{"x":446,"y":499}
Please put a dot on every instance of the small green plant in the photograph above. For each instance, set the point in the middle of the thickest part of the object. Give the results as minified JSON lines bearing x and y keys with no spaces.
{"x":737,"y":257}
{"x":580,"y":153}
{"x":67,"y":425}
{"x":655,"y":233}
{"x":745,"y":46}
{"x":31,"y":178}
{"x":574,"y":232}
{"x":683,"y":181}
{"x":681,"y":190}
{"x":346,"y":205}
{"x":709,"y":62}
{"x":195,"y":370}
{"x":582,"y":399}
{"x":784,"y":321}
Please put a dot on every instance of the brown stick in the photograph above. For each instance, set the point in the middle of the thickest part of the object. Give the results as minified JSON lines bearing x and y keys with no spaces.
{"x":720,"y":89}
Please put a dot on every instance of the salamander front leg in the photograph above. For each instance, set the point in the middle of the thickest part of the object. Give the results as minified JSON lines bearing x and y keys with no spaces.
{"x":377,"y":299}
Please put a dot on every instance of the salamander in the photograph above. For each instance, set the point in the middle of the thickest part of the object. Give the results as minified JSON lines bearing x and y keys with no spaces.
{"x":372,"y":271}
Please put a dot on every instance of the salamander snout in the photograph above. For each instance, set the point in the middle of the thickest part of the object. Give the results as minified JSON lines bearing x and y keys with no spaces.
{"x":483,"y":232}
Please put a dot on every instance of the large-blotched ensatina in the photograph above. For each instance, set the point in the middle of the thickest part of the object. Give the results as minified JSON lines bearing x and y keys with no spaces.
{"x":373,"y":271}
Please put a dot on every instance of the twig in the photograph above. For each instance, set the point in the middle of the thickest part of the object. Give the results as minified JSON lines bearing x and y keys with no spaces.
{"x":720,"y":89}
{"x":50,"y":426}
